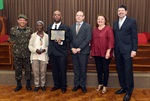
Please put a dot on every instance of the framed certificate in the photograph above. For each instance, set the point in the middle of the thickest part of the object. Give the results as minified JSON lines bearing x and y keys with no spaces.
{"x":57,"y":34}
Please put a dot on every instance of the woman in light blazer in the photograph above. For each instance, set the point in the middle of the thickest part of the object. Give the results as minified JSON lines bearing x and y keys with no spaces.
{"x":38,"y":46}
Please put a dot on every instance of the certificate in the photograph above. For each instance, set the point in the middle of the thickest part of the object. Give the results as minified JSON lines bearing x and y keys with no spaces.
{"x":57,"y":34}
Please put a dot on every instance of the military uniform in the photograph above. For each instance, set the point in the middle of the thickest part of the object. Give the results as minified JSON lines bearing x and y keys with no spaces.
{"x":21,"y":53}
{"x":20,"y":36}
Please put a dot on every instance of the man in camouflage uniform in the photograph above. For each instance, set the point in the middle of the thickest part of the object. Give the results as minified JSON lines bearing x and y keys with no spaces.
{"x":20,"y":35}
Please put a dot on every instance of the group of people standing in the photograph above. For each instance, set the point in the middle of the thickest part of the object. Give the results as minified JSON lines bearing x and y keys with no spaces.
{"x":101,"y":43}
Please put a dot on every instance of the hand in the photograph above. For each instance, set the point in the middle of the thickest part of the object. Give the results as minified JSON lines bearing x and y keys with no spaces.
{"x":74,"y":50}
{"x":133,"y":54}
{"x":38,"y":51}
{"x":113,"y":54}
{"x":107,"y":56}
{"x":78,"y":50}
{"x":91,"y":57}
{"x":11,"y":42}
{"x":58,"y":40}
{"x":43,"y":50}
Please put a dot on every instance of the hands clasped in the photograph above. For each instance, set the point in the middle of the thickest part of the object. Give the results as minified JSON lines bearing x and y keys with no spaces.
{"x":58,"y":40}
{"x":76,"y":50}
{"x":40,"y":51}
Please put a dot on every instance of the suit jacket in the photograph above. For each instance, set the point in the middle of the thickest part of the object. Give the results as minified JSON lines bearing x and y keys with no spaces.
{"x":126,"y":39}
{"x":55,"y":48}
{"x":82,"y":39}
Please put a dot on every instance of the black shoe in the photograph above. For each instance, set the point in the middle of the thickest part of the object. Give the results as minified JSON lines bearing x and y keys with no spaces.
{"x":54,"y":88}
{"x":120,"y":91}
{"x":84,"y":90}
{"x":43,"y":88}
{"x":75,"y":88}
{"x":17,"y":88}
{"x":36,"y":89}
{"x":28,"y":88}
{"x":127,"y":97}
{"x":63,"y":90}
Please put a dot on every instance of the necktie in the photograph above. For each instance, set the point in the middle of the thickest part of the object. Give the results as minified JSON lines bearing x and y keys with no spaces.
{"x":77,"y":29}
{"x":55,"y":26}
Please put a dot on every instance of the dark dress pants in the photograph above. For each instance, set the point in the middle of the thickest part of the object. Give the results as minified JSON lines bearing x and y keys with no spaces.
{"x":102,"y":67}
{"x":59,"y":69}
{"x":80,"y":69}
{"x":125,"y":71}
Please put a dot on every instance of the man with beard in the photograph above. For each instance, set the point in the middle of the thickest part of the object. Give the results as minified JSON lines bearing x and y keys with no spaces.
{"x":57,"y":51}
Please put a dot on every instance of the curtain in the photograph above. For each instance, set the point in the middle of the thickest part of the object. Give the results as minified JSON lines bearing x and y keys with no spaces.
{"x":43,"y":10}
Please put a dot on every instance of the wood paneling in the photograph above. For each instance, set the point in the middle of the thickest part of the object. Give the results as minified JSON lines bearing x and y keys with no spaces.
{"x":6,"y":59}
{"x":141,"y":62}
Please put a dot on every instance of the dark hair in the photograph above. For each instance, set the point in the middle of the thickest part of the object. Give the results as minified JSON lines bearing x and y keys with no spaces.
{"x":123,"y":6}
{"x":106,"y":20}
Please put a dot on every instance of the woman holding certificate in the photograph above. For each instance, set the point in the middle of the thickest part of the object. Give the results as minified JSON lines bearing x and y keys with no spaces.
{"x":38,"y":46}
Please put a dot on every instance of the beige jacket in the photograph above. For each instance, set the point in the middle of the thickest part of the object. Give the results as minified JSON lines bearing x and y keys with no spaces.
{"x":33,"y":47}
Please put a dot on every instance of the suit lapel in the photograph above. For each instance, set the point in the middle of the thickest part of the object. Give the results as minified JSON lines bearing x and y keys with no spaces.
{"x":51,"y":26}
{"x":60,"y":27}
{"x":117,"y":24}
{"x":74,"y":29}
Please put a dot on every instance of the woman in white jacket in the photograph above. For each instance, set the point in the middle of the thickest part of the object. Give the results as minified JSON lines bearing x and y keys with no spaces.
{"x":38,"y":46}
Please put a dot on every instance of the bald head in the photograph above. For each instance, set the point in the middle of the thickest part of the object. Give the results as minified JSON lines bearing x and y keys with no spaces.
{"x":80,"y":12}
{"x":57,"y":12}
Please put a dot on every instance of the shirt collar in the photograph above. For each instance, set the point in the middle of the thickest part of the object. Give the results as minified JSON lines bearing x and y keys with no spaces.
{"x":58,"y":24}
{"x":79,"y":23}
{"x":18,"y":28}
{"x":123,"y":19}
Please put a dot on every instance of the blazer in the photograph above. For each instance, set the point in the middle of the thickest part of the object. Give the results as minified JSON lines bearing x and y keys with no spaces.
{"x":126,"y":39}
{"x":55,"y":48}
{"x":82,"y":39}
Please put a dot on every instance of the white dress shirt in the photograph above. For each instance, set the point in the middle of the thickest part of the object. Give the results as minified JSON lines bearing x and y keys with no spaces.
{"x":121,"y":21}
{"x":58,"y":24}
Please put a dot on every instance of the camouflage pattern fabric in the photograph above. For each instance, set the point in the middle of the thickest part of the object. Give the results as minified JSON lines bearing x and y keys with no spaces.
{"x":21,"y":38}
{"x":21,"y":53}
{"x":18,"y":64}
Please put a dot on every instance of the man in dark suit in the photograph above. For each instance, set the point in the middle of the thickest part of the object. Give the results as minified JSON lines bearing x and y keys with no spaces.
{"x":81,"y":34}
{"x":126,"y":43}
{"x":57,"y":51}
